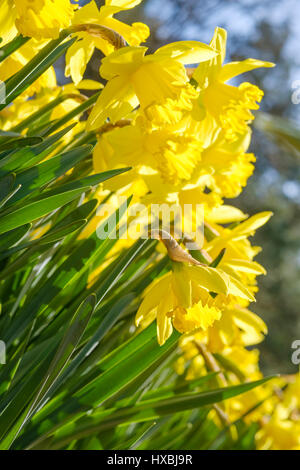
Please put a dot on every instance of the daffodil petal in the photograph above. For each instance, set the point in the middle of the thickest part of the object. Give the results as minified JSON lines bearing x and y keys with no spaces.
{"x":187,"y":52}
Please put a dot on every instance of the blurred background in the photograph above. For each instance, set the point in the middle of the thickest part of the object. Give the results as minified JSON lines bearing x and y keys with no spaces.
{"x":267,"y":30}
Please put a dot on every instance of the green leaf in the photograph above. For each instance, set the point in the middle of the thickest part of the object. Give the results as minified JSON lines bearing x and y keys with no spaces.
{"x":9,"y":196}
{"x":25,"y":123}
{"x":12,"y":46}
{"x":17,"y":404}
{"x":81,"y":212}
{"x":119,"y":371}
{"x":67,"y":346}
{"x":82,"y":138}
{"x":174,"y":390}
{"x":106,"y":324}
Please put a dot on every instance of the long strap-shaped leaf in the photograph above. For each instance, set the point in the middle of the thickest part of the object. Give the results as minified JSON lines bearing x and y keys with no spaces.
{"x":148,"y":411}
{"x":12,"y":46}
{"x":10,"y":238}
{"x":38,"y":176}
{"x":72,"y":268}
{"x":25,"y":123}
{"x":20,"y":81}
{"x":29,"y":156}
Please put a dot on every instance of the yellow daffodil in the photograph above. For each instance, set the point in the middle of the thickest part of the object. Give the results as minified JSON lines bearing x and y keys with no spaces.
{"x":236,"y":326}
{"x":21,"y":57}
{"x":232,"y":165}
